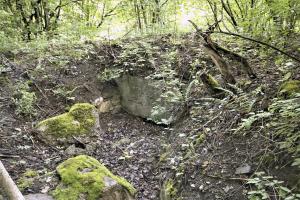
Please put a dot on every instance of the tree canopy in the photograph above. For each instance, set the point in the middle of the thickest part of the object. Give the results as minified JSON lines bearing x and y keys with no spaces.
{"x":28,"y":19}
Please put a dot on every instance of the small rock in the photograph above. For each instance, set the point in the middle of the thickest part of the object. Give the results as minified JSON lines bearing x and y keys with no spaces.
{"x":38,"y":197}
{"x":73,"y":150}
{"x":243,"y":169}
{"x":227,"y":188}
{"x":201,"y":187}
{"x":45,"y":189}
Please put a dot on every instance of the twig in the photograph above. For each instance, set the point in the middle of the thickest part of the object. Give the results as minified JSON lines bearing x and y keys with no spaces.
{"x":8,"y":156}
{"x":227,"y":178}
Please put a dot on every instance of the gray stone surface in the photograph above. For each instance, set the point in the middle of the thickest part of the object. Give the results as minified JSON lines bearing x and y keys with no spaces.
{"x":38,"y":197}
{"x":243,"y":169}
{"x":142,"y":97}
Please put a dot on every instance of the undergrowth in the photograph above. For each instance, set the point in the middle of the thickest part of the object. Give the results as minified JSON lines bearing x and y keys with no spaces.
{"x":24,"y":99}
{"x":267,"y":187}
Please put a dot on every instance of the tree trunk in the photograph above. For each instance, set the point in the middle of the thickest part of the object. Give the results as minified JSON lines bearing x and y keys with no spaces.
{"x":220,"y":63}
{"x":8,"y":185}
{"x":245,"y":65}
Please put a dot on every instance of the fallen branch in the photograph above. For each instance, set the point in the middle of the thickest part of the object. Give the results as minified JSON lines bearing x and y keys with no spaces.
{"x":213,"y":49}
{"x":259,"y":42}
{"x":8,"y":156}
{"x":12,"y":191}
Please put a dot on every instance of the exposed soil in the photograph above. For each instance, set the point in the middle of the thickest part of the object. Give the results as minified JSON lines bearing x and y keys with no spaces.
{"x":144,"y":153}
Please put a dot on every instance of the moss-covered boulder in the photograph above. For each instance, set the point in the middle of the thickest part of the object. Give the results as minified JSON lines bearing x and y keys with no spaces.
{"x":289,"y":88}
{"x":84,"y":178}
{"x":81,"y":119}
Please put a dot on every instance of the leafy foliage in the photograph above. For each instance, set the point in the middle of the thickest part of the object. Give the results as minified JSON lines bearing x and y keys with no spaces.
{"x":285,"y":125}
{"x":24,"y":100}
{"x":267,"y":187}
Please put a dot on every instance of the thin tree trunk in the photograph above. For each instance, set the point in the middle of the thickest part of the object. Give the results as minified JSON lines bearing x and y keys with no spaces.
{"x":8,"y":185}
{"x":229,"y":13}
{"x":137,"y":12}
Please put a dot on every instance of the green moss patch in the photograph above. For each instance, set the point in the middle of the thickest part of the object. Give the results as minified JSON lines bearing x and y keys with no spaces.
{"x":289,"y":88}
{"x":27,"y":179}
{"x":85,"y":175}
{"x":79,"y":120}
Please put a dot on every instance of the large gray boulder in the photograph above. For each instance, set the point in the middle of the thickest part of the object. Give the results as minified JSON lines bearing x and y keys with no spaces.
{"x":150,"y":99}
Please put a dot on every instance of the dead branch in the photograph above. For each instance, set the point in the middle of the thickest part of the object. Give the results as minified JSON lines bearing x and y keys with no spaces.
{"x":212,"y":49}
{"x":245,"y":65}
{"x":259,"y":42}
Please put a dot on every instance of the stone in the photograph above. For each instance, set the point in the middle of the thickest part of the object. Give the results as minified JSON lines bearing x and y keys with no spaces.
{"x":73,"y":150}
{"x":146,"y":98}
{"x":82,"y":119}
{"x":38,"y":197}
{"x":83,"y":177}
{"x":243,"y":169}
{"x":111,"y":104}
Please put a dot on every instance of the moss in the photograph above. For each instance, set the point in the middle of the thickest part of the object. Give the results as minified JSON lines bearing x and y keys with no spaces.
{"x":84,"y":175}
{"x":27,"y":179}
{"x":289,"y":88}
{"x":170,"y":189}
{"x":30,"y":173}
{"x":200,"y":138}
{"x":212,"y":85}
{"x":212,"y":81}
{"x":79,"y":120}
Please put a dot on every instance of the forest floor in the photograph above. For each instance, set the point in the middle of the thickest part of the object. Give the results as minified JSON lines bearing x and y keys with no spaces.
{"x":144,"y":153}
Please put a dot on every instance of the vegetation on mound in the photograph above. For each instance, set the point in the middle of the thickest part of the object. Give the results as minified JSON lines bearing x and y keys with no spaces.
{"x":79,"y":120}
{"x":85,"y":175}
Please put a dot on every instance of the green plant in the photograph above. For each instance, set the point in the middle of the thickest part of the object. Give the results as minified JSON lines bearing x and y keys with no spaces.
{"x":267,"y":187}
{"x":285,"y":125}
{"x":64,"y":92}
{"x":110,"y":74}
{"x":24,"y":99}
{"x":247,"y":123}
{"x":136,"y":55}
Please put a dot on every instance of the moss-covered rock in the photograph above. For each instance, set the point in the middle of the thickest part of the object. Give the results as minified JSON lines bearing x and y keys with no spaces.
{"x":289,"y":88}
{"x":83,"y":177}
{"x":81,"y":119}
